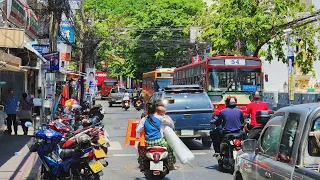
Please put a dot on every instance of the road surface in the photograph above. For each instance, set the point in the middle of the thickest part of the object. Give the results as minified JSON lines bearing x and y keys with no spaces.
{"x":123,"y":164}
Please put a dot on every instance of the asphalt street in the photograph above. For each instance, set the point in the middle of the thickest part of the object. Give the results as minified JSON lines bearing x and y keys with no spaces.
{"x":123,"y":162}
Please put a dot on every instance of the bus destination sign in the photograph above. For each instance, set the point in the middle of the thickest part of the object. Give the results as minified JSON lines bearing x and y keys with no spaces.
{"x":235,"y":62}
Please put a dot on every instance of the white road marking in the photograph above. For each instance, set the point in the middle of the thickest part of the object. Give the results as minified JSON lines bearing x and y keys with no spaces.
{"x":115,"y":145}
{"x":199,"y":153}
{"x":124,"y":155}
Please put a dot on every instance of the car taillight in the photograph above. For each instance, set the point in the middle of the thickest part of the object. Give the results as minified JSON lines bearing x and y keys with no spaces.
{"x":216,"y":106}
{"x":153,"y":150}
{"x":237,"y":142}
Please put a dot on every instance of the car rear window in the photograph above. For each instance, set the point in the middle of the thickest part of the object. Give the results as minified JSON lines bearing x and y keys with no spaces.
{"x":185,"y":101}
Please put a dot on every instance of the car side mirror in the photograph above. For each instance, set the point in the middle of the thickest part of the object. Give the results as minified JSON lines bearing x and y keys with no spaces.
{"x":249,"y":146}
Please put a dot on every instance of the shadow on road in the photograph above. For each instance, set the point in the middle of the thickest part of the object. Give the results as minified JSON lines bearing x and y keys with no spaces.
{"x":144,"y":178}
{"x":220,"y":169}
{"x":11,"y":144}
{"x":194,"y":145}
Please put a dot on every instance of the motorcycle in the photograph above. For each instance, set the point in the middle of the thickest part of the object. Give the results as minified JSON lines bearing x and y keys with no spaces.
{"x":262,"y":117}
{"x":64,"y":163}
{"x":157,"y":163}
{"x":138,"y":104}
{"x":229,"y":147}
{"x":126,"y":104}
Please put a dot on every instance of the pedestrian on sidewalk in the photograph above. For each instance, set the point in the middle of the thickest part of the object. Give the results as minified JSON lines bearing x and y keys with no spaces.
{"x":25,"y":112}
{"x":10,"y":107}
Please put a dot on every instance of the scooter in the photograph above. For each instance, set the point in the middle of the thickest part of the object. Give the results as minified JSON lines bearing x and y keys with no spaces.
{"x":64,"y":163}
{"x":126,"y":104}
{"x":138,"y":105}
{"x":229,"y":148}
{"x":157,"y":164}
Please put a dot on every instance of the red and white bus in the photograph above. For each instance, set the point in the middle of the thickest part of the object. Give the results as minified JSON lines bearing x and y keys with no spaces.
{"x":222,"y":76}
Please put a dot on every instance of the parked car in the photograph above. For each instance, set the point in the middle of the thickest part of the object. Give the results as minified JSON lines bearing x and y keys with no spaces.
{"x":115,"y":96}
{"x":191,"y":110}
{"x":287,"y":147}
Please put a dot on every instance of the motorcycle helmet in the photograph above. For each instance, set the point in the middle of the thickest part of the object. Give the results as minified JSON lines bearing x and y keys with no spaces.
{"x":84,"y":141}
{"x":231,"y":101}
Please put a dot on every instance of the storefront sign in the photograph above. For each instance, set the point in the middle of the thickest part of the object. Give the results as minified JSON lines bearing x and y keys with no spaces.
{"x":33,"y":27}
{"x":67,"y":32}
{"x":54,"y":59}
{"x":50,"y":85}
{"x":41,"y":48}
{"x":90,"y":82}
{"x":17,"y":13}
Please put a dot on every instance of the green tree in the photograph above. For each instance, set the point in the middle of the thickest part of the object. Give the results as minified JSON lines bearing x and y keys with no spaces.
{"x":257,"y":23}
{"x":146,"y":33}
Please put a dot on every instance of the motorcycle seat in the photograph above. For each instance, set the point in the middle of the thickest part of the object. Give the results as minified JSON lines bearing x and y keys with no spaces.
{"x":157,"y":147}
{"x":66,"y":153}
{"x":233,"y":136}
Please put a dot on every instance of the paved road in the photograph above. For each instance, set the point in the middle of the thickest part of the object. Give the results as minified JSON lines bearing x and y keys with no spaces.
{"x":123,"y":159}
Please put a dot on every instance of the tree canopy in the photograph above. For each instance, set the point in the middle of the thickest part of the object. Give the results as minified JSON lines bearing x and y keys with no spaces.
{"x":138,"y":36}
{"x":256,"y":23}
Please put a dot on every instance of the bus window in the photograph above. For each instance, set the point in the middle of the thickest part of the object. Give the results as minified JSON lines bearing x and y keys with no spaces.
{"x":219,"y":79}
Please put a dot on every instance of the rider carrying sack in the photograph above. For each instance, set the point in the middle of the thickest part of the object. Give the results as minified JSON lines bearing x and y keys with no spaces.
{"x":152,"y":126}
{"x":231,"y":119}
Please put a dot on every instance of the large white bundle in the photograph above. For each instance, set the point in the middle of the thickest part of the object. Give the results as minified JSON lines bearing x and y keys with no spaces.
{"x":180,"y":149}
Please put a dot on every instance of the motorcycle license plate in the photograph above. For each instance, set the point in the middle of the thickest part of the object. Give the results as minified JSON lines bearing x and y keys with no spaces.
{"x":102,"y":140}
{"x":235,"y":153}
{"x":96,"y":166}
{"x":156,"y":166}
{"x":126,"y":104}
{"x":99,"y":153}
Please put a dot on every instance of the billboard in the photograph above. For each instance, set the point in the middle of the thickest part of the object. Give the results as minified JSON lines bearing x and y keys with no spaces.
{"x":67,"y":32}
{"x":53,"y":59}
{"x":90,"y":82}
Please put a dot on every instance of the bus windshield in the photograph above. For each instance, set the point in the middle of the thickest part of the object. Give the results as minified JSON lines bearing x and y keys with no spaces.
{"x":161,"y":83}
{"x":231,"y":79}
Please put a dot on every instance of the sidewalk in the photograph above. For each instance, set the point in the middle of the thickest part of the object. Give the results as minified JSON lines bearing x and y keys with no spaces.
{"x":16,"y":162}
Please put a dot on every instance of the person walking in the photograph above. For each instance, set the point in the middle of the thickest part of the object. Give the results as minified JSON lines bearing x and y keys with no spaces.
{"x":25,"y":112}
{"x":10,"y":107}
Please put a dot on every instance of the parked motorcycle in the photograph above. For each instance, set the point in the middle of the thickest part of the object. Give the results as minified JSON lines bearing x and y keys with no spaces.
{"x":64,"y":163}
{"x":157,"y":164}
{"x":126,"y":104}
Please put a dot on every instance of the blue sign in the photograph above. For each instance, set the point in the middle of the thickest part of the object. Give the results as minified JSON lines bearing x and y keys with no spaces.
{"x":67,"y":32}
{"x":41,"y":48}
{"x":54,"y":60}
{"x":251,"y":88}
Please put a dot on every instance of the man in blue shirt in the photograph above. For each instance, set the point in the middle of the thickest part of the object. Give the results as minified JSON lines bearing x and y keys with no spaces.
{"x":231,"y":119}
{"x":10,"y":107}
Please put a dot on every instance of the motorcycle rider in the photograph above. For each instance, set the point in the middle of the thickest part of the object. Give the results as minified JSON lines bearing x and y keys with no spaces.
{"x":256,"y":105}
{"x":231,"y":118}
{"x":153,"y":125}
{"x":126,"y":97}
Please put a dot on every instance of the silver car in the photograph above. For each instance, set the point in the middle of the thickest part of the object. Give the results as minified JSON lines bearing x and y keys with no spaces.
{"x":287,"y":147}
